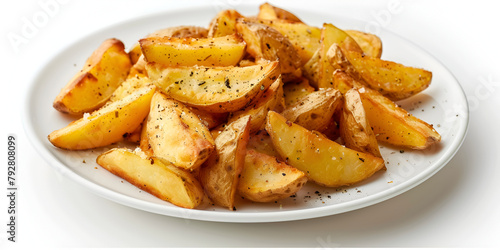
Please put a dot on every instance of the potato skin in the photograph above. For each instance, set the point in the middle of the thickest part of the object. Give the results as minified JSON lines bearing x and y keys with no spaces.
{"x":103,"y":72}
{"x":219,"y":175}
{"x":369,"y":43}
{"x":390,"y":123}
{"x":355,"y":129}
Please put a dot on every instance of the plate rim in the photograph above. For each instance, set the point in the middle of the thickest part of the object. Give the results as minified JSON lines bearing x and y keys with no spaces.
{"x":230,"y":216}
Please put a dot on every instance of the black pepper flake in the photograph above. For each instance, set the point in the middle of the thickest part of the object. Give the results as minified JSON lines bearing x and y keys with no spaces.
{"x":201,"y":83}
{"x":361,"y":159}
{"x":226,"y":82}
{"x":283,"y":174}
{"x":268,"y":46}
{"x":234,"y":208}
{"x":401,"y":151}
{"x":152,"y":161}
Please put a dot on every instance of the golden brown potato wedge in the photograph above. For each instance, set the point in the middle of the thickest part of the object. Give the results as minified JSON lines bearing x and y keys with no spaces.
{"x":104,"y":71}
{"x":160,"y":179}
{"x":262,"y":143}
{"x":322,"y":160}
{"x":220,"y":173}
{"x":270,"y":12}
{"x":129,"y":86}
{"x":173,"y":52}
{"x":264,"y":178}
{"x":294,"y":91}
{"x":106,"y":125}
{"x":224,"y":23}
{"x":369,"y":43}
{"x":268,"y":101}
{"x":176,"y":134}
{"x":219,"y":89}
{"x":329,"y":36}
{"x":391,"y":79}
{"x":314,"y":111}
{"x":305,"y":38}
{"x":354,"y":126}
{"x":264,"y":42}
{"x":178,"y":31}
{"x":390,"y":123}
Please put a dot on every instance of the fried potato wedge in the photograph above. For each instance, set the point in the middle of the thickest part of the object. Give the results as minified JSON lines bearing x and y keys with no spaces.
{"x":262,"y":143}
{"x":264,"y":178}
{"x":294,"y":91}
{"x":268,"y":101}
{"x":329,"y":36}
{"x":106,"y":125}
{"x":173,"y":52}
{"x":369,"y":43}
{"x":224,"y":23}
{"x":390,"y":123}
{"x":89,"y":89}
{"x":354,"y":126}
{"x":160,"y":179}
{"x":129,"y":86}
{"x":219,"y":175}
{"x":322,"y":160}
{"x":393,"y":80}
{"x":218,"y":89}
{"x":178,"y":31}
{"x":270,"y":12}
{"x":264,"y":42}
{"x":310,"y":70}
{"x":305,"y":38}
{"x":176,"y":134}
{"x":314,"y":111}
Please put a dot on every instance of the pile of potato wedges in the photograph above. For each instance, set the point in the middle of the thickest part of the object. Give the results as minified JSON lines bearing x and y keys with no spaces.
{"x":252,"y":106}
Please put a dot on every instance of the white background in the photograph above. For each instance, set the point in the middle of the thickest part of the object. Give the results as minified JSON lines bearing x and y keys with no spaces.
{"x":458,"y":207}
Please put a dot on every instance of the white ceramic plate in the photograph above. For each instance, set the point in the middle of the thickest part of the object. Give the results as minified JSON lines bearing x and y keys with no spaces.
{"x":442,"y":104}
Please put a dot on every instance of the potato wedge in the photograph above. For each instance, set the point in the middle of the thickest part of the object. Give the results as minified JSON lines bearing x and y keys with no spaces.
{"x":160,"y":179}
{"x":322,"y":160}
{"x":294,"y":91}
{"x":305,"y":38}
{"x":354,"y":126}
{"x":270,"y":12}
{"x":393,"y":80}
{"x":369,"y":43}
{"x":390,"y":123}
{"x":329,"y":36}
{"x":178,"y":31}
{"x":104,"y":71}
{"x":129,"y":86}
{"x":314,"y":111}
{"x":173,"y":52}
{"x":219,"y":175}
{"x":310,"y":70}
{"x":176,"y":134}
{"x":262,"y":143}
{"x":106,"y":125}
{"x":264,"y":42}
{"x":268,"y":101}
{"x":264,"y":178}
{"x":224,"y":23}
{"x":217,"y":90}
